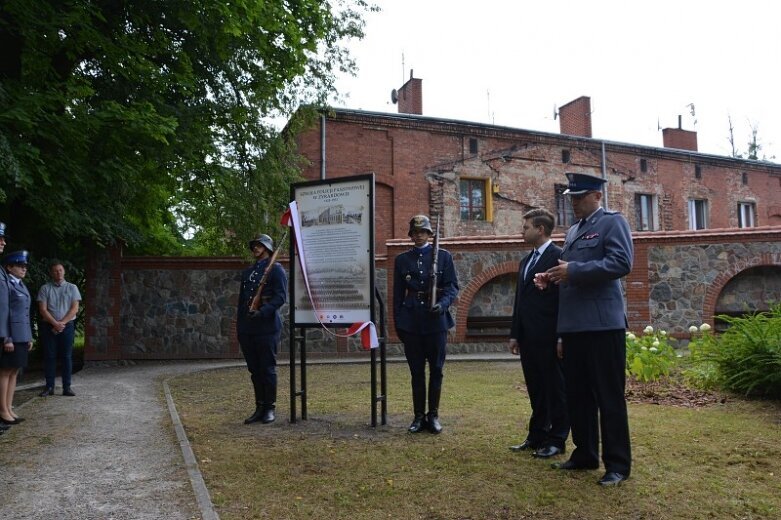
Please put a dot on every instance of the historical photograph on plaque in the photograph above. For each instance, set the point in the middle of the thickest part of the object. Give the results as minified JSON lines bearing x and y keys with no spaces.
{"x":337,"y":251}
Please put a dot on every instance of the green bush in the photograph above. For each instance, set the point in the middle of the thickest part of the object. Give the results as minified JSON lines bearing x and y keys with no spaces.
{"x":745,"y":359}
{"x":649,"y":356}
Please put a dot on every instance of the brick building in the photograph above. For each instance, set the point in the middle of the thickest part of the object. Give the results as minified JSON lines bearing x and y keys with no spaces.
{"x":481,"y":178}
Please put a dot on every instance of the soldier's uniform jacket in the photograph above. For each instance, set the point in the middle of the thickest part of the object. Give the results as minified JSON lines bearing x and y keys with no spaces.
{"x":598,"y":253}
{"x":273,"y":296}
{"x":412,"y":290}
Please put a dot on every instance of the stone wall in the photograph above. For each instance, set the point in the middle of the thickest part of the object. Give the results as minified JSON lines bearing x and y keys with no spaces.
{"x":184,"y":308}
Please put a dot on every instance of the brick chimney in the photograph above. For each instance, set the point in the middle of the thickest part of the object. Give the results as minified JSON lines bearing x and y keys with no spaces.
{"x":679,"y":138}
{"x":575,"y":117}
{"x":410,"y":96}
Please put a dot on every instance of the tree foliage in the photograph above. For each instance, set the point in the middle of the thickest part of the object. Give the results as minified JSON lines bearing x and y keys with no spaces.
{"x":124,"y":119}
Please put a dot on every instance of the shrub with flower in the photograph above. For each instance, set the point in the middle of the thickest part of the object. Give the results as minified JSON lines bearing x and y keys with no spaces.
{"x":649,"y":356}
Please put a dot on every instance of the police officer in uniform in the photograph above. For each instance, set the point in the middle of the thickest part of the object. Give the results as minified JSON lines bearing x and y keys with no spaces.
{"x":597,"y":253}
{"x":259,"y":330}
{"x":5,"y":324}
{"x":421,"y":324}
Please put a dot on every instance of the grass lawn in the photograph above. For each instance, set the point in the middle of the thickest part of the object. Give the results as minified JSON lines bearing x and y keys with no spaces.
{"x":718,"y":461}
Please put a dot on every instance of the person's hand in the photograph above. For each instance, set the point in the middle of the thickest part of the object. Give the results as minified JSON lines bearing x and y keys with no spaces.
{"x":559,"y":350}
{"x":558,"y":274}
{"x":515,"y":349}
{"x":437,"y":309}
{"x":59,"y":326}
{"x":29,"y":346}
{"x":8,"y":347}
{"x":541,"y":281}
{"x":254,"y":314}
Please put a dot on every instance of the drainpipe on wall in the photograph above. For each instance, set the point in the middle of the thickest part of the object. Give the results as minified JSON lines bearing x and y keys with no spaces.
{"x":604,"y":176}
{"x":322,"y":147}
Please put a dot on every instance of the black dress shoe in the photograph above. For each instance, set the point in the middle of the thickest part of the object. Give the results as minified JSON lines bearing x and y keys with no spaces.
{"x":569,"y":465}
{"x":548,"y":452}
{"x":47,"y":392}
{"x":525,"y":445}
{"x":611,"y":478}
{"x":9,"y":423}
{"x":434,"y":426}
{"x":68,"y":392}
{"x":19,"y":419}
{"x":419,"y":424}
{"x":255,"y":417}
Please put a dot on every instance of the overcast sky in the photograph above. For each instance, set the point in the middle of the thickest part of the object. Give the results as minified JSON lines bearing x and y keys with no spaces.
{"x":509,"y":62}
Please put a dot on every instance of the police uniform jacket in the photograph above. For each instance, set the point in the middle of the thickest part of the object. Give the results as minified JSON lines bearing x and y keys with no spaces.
{"x":19,"y":300}
{"x":412,"y":290}
{"x":272,"y":298}
{"x":535,"y":312}
{"x":598,"y":253}
{"x":5,"y":330}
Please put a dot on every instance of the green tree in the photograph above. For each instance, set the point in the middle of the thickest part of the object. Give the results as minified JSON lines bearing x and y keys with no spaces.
{"x":122,"y":119}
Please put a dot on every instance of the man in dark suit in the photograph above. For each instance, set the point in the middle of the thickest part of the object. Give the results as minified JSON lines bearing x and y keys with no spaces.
{"x":597,"y":253}
{"x":533,"y":336}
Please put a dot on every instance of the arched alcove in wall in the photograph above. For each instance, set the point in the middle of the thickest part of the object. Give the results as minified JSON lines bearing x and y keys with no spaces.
{"x":752,"y":290}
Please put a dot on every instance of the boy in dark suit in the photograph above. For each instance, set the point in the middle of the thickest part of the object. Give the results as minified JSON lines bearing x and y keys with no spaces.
{"x":533,"y":336}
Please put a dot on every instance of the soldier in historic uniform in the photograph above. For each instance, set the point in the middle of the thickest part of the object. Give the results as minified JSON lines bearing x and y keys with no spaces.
{"x":597,"y":253}
{"x":259,"y":329}
{"x":422,"y":322}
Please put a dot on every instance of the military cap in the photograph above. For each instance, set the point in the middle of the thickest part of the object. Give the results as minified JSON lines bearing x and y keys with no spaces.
{"x":16,"y":258}
{"x":580,"y":183}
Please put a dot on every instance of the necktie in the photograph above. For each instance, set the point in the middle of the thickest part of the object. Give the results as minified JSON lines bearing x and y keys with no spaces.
{"x":581,"y":224}
{"x":532,"y":262}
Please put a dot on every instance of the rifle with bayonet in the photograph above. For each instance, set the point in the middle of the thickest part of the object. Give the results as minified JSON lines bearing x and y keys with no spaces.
{"x":256,"y":300}
{"x":434,"y":268}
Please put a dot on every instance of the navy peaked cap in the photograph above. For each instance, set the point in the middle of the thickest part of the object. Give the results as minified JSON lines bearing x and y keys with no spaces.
{"x":17,"y":257}
{"x":580,"y":183}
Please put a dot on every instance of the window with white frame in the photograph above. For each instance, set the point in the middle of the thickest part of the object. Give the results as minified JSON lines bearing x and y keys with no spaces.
{"x":698,"y":214}
{"x":646,"y":212}
{"x":746,"y":212}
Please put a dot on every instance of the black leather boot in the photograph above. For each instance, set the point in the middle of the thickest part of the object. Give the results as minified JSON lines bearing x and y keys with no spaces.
{"x":259,"y":398}
{"x":433,"y":410}
{"x":269,"y":404}
{"x":419,"y":405}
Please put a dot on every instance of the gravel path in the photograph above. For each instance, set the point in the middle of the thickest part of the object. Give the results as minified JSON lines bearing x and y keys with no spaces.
{"x":109,"y":453}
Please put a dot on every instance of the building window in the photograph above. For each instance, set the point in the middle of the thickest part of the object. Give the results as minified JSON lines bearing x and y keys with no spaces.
{"x":472,"y":145}
{"x":565,"y":156}
{"x":564,"y":215}
{"x":476,"y":199}
{"x":746,"y":214}
{"x":697,"y":171}
{"x":698,"y":214}
{"x":643,"y":165}
{"x":646,"y":212}
{"x":744,"y":178}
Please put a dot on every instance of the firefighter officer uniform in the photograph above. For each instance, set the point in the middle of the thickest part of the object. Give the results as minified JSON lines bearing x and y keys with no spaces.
{"x":259,"y":330}
{"x":421,"y":324}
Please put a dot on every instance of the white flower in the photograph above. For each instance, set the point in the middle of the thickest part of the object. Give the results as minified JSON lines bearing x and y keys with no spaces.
{"x":631,"y":337}
{"x":644,"y":348}
{"x":663,"y":333}
{"x":655,"y":343}
{"x":679,"y":355}
{"x":648,"y":330}
{"x":704,"y":327}
{"x":693,"y":329}
{"x":653,"y":349}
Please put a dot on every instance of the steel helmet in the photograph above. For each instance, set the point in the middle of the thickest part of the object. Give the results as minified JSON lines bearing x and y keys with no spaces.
{"x":419,"y":222}
{"x":263,"y":240}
